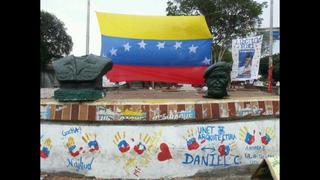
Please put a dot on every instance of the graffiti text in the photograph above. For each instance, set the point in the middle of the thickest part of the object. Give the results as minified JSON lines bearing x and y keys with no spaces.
{"x":78,"y":164}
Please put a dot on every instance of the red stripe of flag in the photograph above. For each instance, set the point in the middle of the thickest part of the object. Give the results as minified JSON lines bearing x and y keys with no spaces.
{"x":186,"y":75}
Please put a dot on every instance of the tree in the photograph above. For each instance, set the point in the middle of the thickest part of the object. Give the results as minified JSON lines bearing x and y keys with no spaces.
{"x":264,"y":66}
{"x":54,"y":41}
{"x":226,"y":19}
{"x":227,"y":56}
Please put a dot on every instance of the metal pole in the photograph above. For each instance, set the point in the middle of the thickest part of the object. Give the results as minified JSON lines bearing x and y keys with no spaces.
{"x":270,"y":48}
{"x":88,"y":27}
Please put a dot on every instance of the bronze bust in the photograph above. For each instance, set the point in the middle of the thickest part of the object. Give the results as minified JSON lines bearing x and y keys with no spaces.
{"x":217,"y":78}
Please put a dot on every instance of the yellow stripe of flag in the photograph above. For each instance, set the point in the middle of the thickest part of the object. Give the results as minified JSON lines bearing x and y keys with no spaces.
{"x":153,"y":27}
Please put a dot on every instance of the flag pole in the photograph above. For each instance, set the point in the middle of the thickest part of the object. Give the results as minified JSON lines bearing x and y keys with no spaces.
{"x":270,"y":48}
{"x":88,"y":28}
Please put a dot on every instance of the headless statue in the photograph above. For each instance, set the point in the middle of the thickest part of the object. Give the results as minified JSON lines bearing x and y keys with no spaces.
{"x":80,"y":78}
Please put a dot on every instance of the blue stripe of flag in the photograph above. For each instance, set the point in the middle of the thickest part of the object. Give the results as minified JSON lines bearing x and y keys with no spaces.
{"x":127,"y":51}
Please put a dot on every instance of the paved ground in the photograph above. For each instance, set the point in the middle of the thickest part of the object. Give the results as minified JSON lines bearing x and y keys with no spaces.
{"x":134,"y":94}
{"x":175,"y":94}
{"x":232,"y":173}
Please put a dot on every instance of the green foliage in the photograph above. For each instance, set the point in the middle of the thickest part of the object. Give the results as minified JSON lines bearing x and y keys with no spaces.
{"x":227,"y":56}
{"x":226,"y":19}
{"x":264,"y":66}
{"x":54,"y":41}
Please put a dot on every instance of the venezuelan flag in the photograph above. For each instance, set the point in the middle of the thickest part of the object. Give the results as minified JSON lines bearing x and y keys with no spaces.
{"x":156,"y":48}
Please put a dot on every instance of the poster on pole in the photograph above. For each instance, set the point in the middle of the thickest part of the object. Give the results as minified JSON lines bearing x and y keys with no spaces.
{"x":246,"y":54}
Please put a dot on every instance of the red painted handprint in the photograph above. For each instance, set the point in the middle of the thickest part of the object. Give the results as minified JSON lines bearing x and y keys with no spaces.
{"x":74,"y":152}
{"x":143,"y":143}
{"x":119,"y":140}
{"x":246,"y":136}
{"x":92,"y":142}
{"x":268,"y":135}
{"x":192,"y":143}
{"x":45,"y":148}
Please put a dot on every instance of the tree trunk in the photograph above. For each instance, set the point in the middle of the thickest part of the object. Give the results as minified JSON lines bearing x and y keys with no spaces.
{"x":221,"y":53}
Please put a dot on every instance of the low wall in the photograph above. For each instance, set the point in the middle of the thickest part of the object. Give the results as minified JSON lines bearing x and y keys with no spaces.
{"x":155,"y":150}
{"x":154,"y":110}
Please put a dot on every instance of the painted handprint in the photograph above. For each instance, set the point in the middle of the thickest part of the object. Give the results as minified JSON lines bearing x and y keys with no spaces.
{"x":45,"y":149}
{"x":91,"y":141}
{"x":192,"y":143}
{"x":120,"y":141}
{"x":246,"y":136}
{"x":268,"y":135}
{"x":224,"y":150}
{"x":73,"y":148}
{"x":141,"y":146}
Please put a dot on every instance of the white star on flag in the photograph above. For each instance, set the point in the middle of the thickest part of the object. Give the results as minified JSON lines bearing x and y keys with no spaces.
{"x":127,"y":46}
{"x":193,"y":49}
{"x":142,"y":44}
{"x":161,"y":45}
{"x":113,"y":52}
{"x":206,"y":61}
{"x":178,"y":45}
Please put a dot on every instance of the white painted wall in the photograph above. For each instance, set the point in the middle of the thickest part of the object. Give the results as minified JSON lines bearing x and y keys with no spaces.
{"x":166,"y":154}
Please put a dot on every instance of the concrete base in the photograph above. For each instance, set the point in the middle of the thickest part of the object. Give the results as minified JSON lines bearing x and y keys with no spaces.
{"x":154,"y":150}
{"x":178,"y":131}
{"x":161,"y":109}
{"x":231,"y":173}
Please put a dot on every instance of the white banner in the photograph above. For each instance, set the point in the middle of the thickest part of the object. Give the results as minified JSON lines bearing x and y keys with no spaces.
{"x":246,"y":54}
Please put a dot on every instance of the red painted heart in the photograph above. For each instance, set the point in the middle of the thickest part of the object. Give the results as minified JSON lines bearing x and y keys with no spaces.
{"x":164,"y":153}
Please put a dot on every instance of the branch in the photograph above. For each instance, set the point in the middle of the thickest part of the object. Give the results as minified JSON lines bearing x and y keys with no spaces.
{"x":221,"y":52}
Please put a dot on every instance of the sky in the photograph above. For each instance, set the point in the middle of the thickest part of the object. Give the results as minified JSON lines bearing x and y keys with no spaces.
{"x":74,"y":15}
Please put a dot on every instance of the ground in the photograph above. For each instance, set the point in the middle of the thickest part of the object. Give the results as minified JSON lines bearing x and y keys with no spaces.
{"x":232,"y":173}
{"x":175,"y":94}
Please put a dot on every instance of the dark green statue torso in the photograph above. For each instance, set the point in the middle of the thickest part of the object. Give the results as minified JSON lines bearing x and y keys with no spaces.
{"x":80,"y":78}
